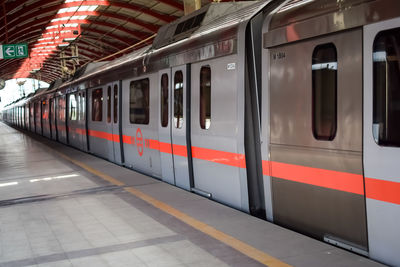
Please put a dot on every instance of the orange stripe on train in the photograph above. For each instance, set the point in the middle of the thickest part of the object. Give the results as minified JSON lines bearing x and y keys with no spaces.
{"x":387,"y":191}
{"x":347,"y":182}
{"x":217,"y":156}
{"x":343,"y":181}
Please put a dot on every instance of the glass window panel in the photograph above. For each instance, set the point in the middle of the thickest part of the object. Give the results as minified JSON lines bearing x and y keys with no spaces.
{"x":139,"y":101}
{"x":178,"y":99}
{"x":205,"y":97}
{"x":72,"y":107}
{"x":109,"y":104}
{"x":386,"y":91}
{"x":324,"y":92}
{"x":164,"y":100}
{"x":115,"y":103}
{"x":97,"y":105}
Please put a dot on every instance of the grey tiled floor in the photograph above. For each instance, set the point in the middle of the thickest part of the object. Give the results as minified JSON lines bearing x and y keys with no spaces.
{"x":53,"y":213}
{"x":47,"y":220}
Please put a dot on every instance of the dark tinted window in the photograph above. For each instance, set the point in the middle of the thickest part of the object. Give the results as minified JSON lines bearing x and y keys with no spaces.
{"x":139,"y":102}
{"x":61,"y":109}
{"x":386,"y":92}
{"x":205,"y":97}
{"x":324,"y":92}
{"x":109,"y":104}
{"x":178,"y":99}
{"x":164,"y":100}
{"x":97,"y":105}
{"x":115,"y":103}
{"x":72,"y":108}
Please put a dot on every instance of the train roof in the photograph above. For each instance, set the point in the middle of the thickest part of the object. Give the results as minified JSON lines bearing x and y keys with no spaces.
{"x":205,"y":21}
{"x":302,"y":19}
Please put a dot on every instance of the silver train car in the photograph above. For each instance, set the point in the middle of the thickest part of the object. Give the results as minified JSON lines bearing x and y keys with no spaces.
{"x":287,"y":110}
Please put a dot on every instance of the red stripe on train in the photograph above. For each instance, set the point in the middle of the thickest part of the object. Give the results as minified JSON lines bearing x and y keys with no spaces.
{"x":343,"y":181}
{"x":217,"y":156}
{"x":387,"y":191}
{"x":347,"y":182}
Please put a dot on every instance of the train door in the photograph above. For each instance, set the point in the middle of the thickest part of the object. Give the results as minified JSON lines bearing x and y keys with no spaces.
{"x":52,"y":116}
{"x":99,"y":137}
{"x":74,"y":130}
{"x":217,"y":148}
{"x":31,"y":117}
{"x":38,"y":117}
{"x":180,"y":134}
{"x":82,"y":120}
{"x":61,"y":119}
{"x":114,"y":147}
{"x":165,"y":126}
{"x":26,"y":107}
{"x":382,"y":138}
{"x":316,"y":138}
{"x":45,"y":118}
{"x":22,"y":108}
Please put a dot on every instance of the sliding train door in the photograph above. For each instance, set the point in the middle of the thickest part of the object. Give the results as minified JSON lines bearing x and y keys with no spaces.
{"x":180,"y":133}
{"x":316,"y":138}
{"x":113,"y":129}
{"x":165,"y":126}
{"x":382,"y":138}
{"x":217,"y":144}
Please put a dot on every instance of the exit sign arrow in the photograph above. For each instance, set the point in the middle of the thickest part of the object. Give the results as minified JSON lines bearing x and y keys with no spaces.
{"x":9,"y":51}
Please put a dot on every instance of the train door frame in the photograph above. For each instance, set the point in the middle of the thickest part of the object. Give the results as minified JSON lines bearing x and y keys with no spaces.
{"x":53,"y":117}
{"x":82,"y":119}
{"x":32,"y":124}
{"x":73,"y":129}
{"x":180,"y":137}
{"x":165,"y":132}
{"x":317,"y":182}
{"x":26,"y":107}
{"x":380,"y":164}
{"x":113,"y":127}
{"x":49,"y":117}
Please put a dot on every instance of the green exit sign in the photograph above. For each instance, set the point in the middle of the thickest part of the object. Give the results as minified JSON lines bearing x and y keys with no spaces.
{"x":9,"y":51}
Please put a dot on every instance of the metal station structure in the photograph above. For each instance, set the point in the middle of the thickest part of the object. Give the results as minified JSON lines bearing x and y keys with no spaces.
{"x":52,"y":39}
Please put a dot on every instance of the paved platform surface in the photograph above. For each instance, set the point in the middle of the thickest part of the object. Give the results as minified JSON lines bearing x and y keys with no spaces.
{"x":62,"y":207}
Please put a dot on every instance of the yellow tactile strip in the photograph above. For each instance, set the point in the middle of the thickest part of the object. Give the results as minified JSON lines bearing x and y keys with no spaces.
{"x":240,"y":246}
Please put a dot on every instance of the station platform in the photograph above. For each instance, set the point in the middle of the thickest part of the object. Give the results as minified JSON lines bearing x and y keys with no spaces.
{"x":62,"y":207}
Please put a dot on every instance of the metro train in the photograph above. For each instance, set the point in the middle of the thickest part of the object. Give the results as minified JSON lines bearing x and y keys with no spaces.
{"x":287,"y":110}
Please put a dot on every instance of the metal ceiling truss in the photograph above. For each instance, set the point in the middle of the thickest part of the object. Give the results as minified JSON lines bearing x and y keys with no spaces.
{"x":102,"y":28}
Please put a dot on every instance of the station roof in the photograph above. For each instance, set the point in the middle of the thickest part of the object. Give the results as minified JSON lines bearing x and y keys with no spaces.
{"x":100,"y":29}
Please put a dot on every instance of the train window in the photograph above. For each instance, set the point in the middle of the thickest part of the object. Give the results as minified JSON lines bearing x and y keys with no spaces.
{"x":139,"y":102}
{"x":324,"y":92}
{"x":80,"y":108}
{"x":83,"y":107}
{"x":97,"y":105}
{"x":72,"y":108}
{"x":115,"y":103}
{"x":386,"y":84}
{"x":178,"y":99}
{"x":164,"y":100}
{"x":205,"y":97}
{"x":109,"y":104}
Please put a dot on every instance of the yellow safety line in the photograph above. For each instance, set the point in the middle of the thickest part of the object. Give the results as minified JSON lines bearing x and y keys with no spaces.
{"x":244,"y":248}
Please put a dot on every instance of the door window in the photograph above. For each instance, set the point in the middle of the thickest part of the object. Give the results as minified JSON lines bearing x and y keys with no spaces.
{"x":164,"y":100}
{"x":139,"y":101}
{"x":97,"y":105}
{"x":386,"y":88}
{"x":109,"y":104}
{"x":72,"y":108}
{"x":324,"y":92}
{"x":178,"y":99}
{"x":115,"y":103}
{"x":205,"y":97}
